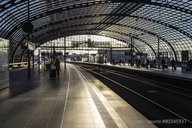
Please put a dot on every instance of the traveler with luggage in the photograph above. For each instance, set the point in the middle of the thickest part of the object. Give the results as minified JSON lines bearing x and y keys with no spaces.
{"x":52,"y":70}
{"x":57,"y":66}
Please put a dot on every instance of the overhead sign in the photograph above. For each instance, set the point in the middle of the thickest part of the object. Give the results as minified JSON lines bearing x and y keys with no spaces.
{"x":31,"y":46}
{"x":102,"y":52}
{"x":67,"y":53}
{"x":90,"y":43}
{"x":56,"y":53}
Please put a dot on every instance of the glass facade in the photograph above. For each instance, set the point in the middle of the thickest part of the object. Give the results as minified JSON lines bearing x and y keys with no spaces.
{"x":84,"y":43}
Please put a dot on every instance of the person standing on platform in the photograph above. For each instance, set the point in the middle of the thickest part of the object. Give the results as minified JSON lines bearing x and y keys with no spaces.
{"x":57,"y":65}
{"x":173,"y":64}
{"x":154,"y":63}
{"x":147,"y":63}
{"x":163,"y":63}
{"x":139,"y":63}
{"x":190,"y":64}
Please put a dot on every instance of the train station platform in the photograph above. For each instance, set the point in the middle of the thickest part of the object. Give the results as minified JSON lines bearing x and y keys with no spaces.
{"x":169,"y":72}
{"x":178,"y":73}
{"x":75,"y":100}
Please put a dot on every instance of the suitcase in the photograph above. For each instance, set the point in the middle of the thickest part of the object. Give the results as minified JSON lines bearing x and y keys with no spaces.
{"x":48,"y":66}
{"x":52,"y":73}
{"x":188,"y":69}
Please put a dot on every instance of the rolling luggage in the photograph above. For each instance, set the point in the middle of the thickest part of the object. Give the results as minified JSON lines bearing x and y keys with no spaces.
{"x":48,"y":66}
{"x":52,"y":73}
{"x":188,"y":68}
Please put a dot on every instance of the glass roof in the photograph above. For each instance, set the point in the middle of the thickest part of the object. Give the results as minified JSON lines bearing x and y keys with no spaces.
{"x":145,"y":21}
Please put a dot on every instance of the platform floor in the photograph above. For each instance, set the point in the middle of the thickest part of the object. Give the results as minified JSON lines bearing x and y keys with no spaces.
{"x":75,"y":100}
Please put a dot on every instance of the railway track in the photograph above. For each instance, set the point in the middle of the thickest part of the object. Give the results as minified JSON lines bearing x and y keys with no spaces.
{"x":166,"y":105}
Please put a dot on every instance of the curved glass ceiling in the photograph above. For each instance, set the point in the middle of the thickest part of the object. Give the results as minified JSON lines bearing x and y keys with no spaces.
{"x":145,"y":21}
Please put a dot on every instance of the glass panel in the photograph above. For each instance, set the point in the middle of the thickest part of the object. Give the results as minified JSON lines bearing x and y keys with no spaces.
{"x":4,"y":64}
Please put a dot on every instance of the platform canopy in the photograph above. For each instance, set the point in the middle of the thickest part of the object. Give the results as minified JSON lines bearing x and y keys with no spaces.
{"x":145,"y":21}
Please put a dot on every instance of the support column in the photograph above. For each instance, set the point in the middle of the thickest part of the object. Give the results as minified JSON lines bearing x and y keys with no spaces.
{"x":132,"y":50}
{"x":51,"y":54}
{"x":39,"y":60}
{"x":29,"y":58}
{"x":44,"y":61}
{"x":94,"y":58}
{"x":158,"y":53}
{"x":33,"y":60}
{"x":65,"y":52}
{"x":88,"y":56}
{"x":111,"y":55}
{"x":54,"y":52}
{"x":28,"y":52}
